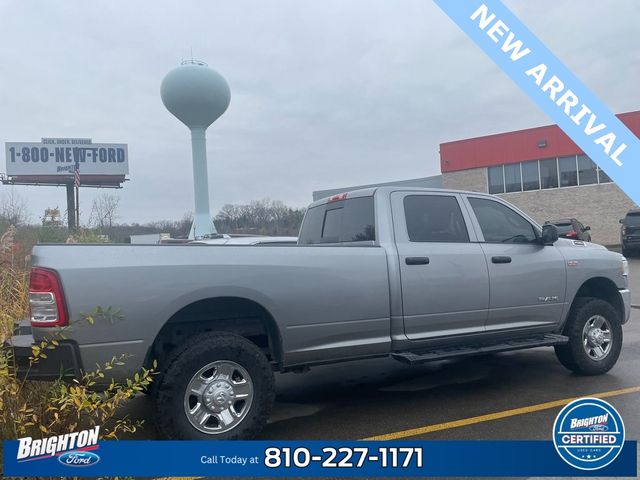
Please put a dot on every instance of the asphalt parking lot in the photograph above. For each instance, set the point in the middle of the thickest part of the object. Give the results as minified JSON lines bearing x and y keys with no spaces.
{"x":512,"y":395}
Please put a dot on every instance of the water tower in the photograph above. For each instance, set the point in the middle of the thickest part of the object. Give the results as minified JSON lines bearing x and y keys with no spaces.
{"x":197,"y":95}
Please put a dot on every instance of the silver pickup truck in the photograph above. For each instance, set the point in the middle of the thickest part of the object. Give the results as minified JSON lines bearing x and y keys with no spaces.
{"x":415,"y":274}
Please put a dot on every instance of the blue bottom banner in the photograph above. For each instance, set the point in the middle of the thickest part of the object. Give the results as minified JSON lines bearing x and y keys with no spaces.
{"x":306,"y":459}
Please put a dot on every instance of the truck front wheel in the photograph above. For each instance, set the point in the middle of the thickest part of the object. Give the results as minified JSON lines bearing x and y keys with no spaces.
{"x":595,"y":337}
{"x":216,"y":386}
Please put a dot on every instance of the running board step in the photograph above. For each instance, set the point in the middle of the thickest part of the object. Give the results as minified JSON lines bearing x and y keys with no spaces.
{"x":423,"y":356}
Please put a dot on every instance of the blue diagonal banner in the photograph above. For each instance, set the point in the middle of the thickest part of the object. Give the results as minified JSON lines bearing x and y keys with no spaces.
{"x":537,"y":71}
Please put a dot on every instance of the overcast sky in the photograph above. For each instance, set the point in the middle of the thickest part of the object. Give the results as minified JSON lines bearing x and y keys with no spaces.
{"x":324,"y":94}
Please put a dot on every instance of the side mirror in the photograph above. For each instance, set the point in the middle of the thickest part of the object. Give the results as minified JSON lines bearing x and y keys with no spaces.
{"x":587,"y":228}
{"x":549,"y":234}
{"x":621,"y":220}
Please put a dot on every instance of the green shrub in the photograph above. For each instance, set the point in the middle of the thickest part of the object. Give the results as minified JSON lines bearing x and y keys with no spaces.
{"x":42,"y":409}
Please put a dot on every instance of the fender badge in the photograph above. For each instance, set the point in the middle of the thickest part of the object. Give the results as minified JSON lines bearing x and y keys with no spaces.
{"x":553,"y":298}
{"x":572,"y":263}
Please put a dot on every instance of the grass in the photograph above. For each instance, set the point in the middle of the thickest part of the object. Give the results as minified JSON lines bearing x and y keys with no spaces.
{"x":14,"y":290}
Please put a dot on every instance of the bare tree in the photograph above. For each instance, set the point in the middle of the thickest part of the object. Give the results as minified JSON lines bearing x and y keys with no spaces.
{"x":266,"y":216}
{"x":177,"y":228}
{"x":13,"y":208}
{"x":104,"y":211}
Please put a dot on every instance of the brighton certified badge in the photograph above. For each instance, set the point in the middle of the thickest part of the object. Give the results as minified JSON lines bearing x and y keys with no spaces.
{"x":588,"y":433}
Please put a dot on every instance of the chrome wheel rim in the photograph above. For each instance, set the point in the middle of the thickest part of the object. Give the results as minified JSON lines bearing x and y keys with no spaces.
{"x":218,"y":397}
{"x":597,"y":338}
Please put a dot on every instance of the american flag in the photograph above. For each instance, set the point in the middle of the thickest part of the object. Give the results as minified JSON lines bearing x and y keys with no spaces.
{"x":76,"y":179}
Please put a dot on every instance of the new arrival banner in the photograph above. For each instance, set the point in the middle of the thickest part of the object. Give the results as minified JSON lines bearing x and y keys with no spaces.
{"x":537,"y":71}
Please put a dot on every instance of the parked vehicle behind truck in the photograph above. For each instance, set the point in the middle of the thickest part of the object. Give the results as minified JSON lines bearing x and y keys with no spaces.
{"x":630,"y":232}
{"x":415,"y":274}
{"x":572,"y":228}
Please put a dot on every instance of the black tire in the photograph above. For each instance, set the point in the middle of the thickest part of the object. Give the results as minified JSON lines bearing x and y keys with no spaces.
{"x":573,"y":355}
{"x":625,"y":251}
{"x":169,"y":395}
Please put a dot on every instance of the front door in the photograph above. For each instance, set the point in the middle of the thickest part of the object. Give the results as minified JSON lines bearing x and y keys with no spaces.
{"x":527,"y":279}
{"x":445,"y":283}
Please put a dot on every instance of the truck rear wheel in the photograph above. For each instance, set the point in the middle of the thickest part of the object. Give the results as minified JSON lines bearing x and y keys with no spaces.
{"x":595,"y":337}
{"x":216,"y":386}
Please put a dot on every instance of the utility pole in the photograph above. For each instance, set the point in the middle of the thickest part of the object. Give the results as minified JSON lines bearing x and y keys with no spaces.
{"x":77,"y":207}
{"x":76,"y":183}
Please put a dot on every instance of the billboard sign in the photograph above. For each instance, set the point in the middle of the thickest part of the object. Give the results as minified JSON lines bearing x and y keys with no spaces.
{"x":58,"y":156}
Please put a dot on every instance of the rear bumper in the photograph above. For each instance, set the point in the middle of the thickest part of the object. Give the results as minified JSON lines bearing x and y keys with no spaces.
{"x":625,"y":294}
{"x":62,"y":362}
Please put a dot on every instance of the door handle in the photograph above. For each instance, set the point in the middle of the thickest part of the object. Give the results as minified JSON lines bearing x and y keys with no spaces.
{"x":417,"y":260}
{"x":501,"y":259}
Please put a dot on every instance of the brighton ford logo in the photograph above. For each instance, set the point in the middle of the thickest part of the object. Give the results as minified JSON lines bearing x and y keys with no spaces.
{"x":588,"y":433}
{"x":78,"y":459}
{"x":72,"y":449}
{"x":598,"y":428}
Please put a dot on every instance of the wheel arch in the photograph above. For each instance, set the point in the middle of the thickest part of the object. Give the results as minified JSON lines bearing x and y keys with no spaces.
{"x":602,"y":288}
{"x":237,"y":314}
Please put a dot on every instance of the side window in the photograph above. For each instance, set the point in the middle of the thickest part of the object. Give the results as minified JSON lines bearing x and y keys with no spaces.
{"x":500,"y":224}
{"x":434,"y":218}
{"x":496,"y":179}
{"x":351,"y":220}
{"x":548,"y":173}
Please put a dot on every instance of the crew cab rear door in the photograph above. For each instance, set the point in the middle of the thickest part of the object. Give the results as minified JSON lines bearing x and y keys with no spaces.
{"x":445,"y":282}
{"x":527,"y":279}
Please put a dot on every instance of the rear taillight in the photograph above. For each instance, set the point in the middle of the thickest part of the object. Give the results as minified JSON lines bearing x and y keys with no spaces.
{"x":571,"y":234}
{"x":46,"y":299}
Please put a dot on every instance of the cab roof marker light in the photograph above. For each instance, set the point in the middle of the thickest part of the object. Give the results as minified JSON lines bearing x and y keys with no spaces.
{"x":337,"y":198}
